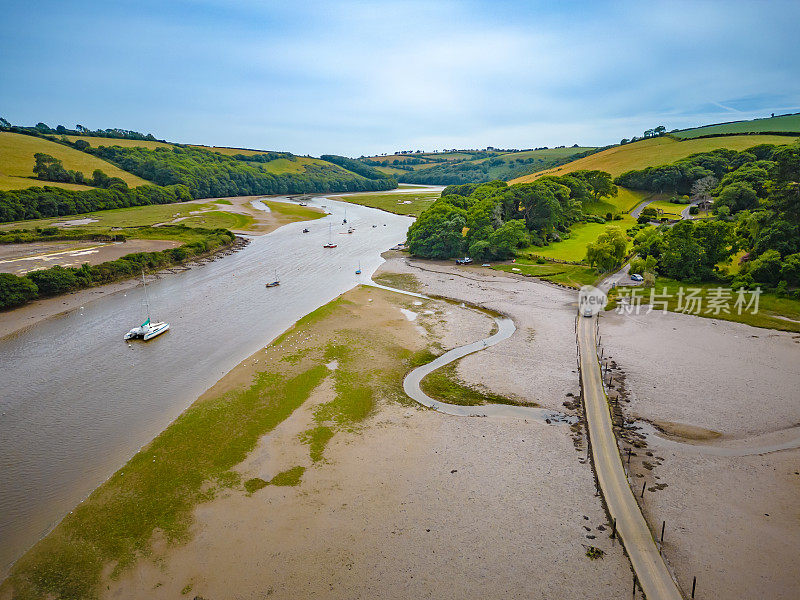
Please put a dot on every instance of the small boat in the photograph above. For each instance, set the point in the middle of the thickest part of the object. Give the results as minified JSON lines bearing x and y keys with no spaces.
{"x":330,"y":243}
{"x":305,"y":230}
{"x":351,"y":230}
{"x":303,"y":204}
{"x":374,"y":226}
{"x":147,"y":330}
{"x":275,"y":282}
{"x":344,"y":221}
{"x":358,"y":270}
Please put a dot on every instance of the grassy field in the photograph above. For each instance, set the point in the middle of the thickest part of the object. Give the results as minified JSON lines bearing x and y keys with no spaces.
{"x":667,"y":208}
{"x":770,"y":310}
{"x":625,"y":201}
{"x":582,"y":234}
{"x":195,"y":458}
{"x":16,"y":163}
{"x":394,"y":203}
{"x":788,"y":123}
{"x":137,"y":216}
{"x":574,"y":276}
{"x":655,"y":151}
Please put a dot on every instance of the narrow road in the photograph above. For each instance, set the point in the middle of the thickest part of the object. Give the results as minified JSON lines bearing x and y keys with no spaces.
{"x":651,"y":571}
{"x":505,"y":329}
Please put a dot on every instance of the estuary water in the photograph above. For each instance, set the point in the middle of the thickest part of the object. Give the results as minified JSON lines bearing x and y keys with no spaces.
{"x":76,"y":401}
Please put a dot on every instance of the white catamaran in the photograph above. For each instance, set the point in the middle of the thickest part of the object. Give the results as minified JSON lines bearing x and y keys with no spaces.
{"x":147,"y":330}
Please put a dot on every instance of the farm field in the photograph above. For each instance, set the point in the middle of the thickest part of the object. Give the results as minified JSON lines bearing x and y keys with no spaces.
{"x":394,"y":203}
{"x":16,"y":163}
{"x":788,"y":123}
{"x":655,"y":151}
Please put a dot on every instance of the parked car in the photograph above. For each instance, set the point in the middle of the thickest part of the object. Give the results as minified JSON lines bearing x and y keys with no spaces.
{"x":463,"y":261}
{"x":637,"y":277}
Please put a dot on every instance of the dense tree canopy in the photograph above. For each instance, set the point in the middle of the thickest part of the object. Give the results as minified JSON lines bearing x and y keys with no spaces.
{"x":210,"y":174}
{"x":492,"y":220}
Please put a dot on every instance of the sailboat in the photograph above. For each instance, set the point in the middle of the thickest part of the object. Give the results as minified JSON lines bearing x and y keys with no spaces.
{"x":147,"y":330}
{"x":276,"y":282}
{"x":330,"y":243}
{"x":358,"y":270}
{"x":344,"y":221}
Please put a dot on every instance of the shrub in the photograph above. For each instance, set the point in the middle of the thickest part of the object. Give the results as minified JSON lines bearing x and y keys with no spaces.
{"x":15,"y":291}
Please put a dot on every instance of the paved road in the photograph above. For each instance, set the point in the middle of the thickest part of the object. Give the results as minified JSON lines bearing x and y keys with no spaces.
{"x":640,"y":207}
{"x":651,"y":571}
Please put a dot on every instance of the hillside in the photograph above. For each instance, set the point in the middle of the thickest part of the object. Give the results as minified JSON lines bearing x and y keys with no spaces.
{"x":782,"y":123}
{"x":653,"y":152}
{"x":16,"y":163}
{"x":470,"y":166}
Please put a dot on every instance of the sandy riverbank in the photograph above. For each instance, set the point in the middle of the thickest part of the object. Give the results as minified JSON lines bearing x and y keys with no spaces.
{"x":731,"y":521}
{"x":411,"y":503}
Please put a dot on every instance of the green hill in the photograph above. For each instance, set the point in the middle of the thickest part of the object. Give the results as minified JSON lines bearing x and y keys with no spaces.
{"x":473,"y":166}
{"x":779,"y":124}
{"x":16,"y":163}
{"x":655,"y":151}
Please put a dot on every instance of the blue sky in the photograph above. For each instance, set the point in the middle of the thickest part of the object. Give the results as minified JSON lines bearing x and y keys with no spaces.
{"x":367,"y":77}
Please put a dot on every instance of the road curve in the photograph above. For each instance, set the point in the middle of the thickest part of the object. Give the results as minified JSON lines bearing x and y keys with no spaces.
{"x":505,"y":329}
{"x":651,"y":571}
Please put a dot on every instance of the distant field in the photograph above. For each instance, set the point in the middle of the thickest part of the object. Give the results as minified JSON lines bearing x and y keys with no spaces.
{"x":788,"y":123}
{"x":655,"y":151}
{"x":574,"y":248}
{"x":394,"y":203}
{"x":16,"y":163}
{"x":96,"y":142}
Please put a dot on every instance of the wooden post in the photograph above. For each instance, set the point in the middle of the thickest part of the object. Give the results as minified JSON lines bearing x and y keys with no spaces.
{"x":694,"y":584}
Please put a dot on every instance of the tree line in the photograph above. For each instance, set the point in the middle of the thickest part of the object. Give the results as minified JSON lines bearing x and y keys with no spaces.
{"x":757,"y":208}
{"x":17,"y":290}
{"x":492,"y":220}
{"x":48,"y":201}
{"x":210,"y":174}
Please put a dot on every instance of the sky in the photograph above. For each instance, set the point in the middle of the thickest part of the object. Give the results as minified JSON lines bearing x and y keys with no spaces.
{"x":362,"y":78}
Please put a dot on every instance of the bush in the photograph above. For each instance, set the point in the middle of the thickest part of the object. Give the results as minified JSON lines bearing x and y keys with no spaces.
{"x":15,"y":291}
{"x":693,"y":210}
{"x":55,"y":280}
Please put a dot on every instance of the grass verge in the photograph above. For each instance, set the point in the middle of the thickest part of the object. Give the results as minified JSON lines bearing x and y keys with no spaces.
{"x":407,"y":203}
{"x":574,"y":276}
{"x":774,"y":312}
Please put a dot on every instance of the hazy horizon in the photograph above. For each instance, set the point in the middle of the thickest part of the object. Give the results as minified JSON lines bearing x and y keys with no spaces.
{"x":359,"y":78}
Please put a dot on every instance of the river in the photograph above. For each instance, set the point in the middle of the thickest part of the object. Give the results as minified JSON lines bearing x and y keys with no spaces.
{"x":76,"y":402}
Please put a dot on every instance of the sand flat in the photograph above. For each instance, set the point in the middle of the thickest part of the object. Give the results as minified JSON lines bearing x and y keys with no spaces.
{"x":412,"y":504}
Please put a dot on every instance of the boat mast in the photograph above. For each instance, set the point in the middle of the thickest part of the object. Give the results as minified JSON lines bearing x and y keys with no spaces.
{"x":146,"y":297}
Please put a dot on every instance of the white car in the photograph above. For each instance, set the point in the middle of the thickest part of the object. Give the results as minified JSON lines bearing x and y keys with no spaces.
{"x":637,"y":277}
